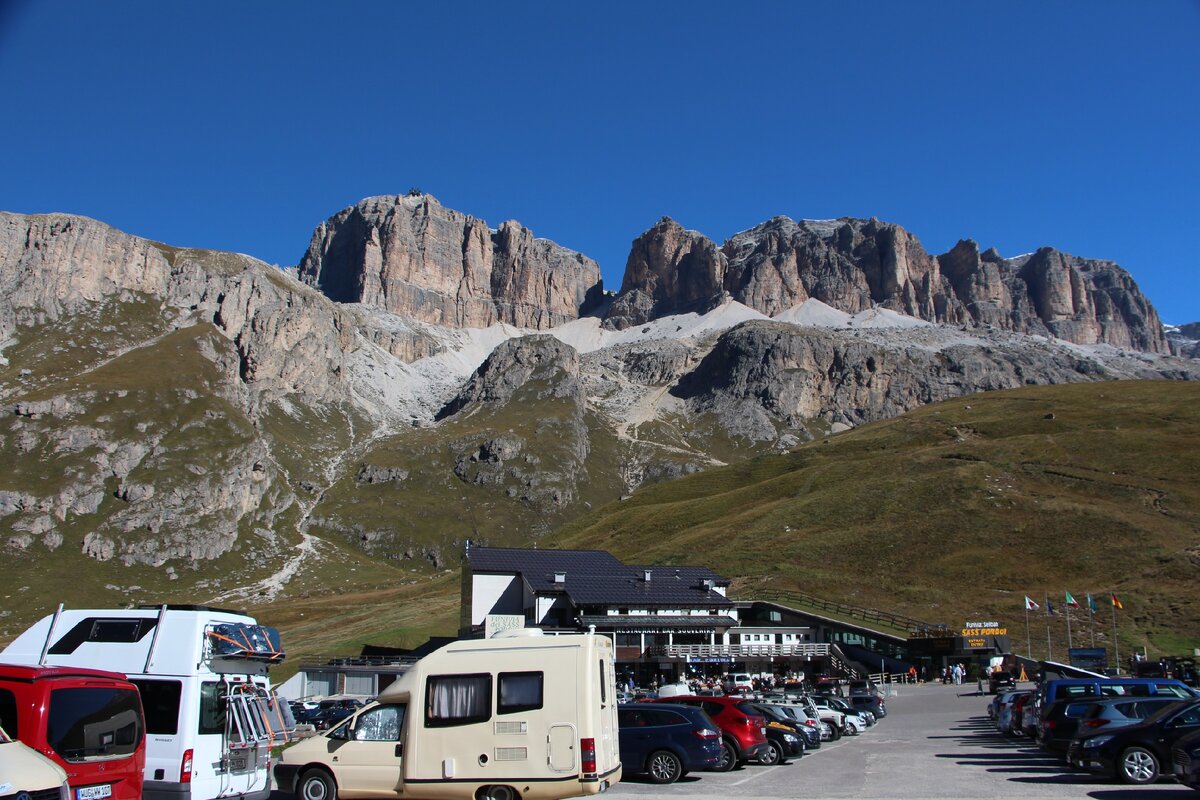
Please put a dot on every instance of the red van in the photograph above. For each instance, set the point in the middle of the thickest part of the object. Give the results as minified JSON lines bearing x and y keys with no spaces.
{"x":88,"y":721}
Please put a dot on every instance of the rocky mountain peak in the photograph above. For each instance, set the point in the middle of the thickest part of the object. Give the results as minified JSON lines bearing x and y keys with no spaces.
{"x":410,"y":255}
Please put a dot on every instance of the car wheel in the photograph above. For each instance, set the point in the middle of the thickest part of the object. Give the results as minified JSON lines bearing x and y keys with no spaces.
{"x":772,"y":756}
{"x":1137,"y":765}
{"x":316,"y":785}
{"x":834,"y":733}
{"x":664,"y":766}
{"x":728,"y":758}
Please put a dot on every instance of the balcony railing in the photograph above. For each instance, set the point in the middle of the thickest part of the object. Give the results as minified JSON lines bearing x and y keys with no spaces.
{"x":737,"y":650}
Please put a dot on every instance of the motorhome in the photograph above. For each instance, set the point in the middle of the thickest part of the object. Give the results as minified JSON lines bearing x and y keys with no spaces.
{"x":519,"y":715}
{"x":202,"y":676}
{"x":87,"y":721}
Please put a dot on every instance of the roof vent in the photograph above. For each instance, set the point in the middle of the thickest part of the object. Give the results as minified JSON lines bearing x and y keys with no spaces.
{"x":708,"y":584}
{"x":560,"y":577}
{"x":646,"y":575}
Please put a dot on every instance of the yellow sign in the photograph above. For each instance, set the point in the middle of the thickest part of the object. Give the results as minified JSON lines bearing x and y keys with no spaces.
{"x":985,"y":631}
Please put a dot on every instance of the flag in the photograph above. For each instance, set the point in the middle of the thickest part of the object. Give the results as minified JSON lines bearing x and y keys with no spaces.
{"x":1116,"y":601}
{"x":1049,"y":608}
{"x":1030,"y":605}
{"x":1091,"y":603}
{"x":1071,"y":603}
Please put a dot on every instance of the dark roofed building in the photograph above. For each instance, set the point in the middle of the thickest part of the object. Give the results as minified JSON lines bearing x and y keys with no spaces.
{"x":646,"y":609}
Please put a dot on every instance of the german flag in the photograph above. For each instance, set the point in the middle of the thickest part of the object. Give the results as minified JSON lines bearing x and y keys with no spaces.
{"x":1116,"y":601}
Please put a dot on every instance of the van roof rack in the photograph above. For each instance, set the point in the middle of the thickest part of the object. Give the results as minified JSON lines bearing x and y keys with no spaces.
{"x":187,"y":607}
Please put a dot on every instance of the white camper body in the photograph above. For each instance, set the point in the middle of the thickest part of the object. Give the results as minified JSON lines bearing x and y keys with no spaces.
{"x":519,"y":715}
{"x":208,"y":727}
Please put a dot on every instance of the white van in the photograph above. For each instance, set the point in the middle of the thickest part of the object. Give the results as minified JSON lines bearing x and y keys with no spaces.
{"x":202,"y":675}
{"x":24,"y":772}
{"x":520,"y":715}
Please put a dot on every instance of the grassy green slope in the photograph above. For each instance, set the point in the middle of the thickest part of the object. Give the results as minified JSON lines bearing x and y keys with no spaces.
{"x":956,"y":511}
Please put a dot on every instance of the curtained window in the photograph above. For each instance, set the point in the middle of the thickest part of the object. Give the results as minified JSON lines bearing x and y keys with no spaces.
{"x":458,"y":699}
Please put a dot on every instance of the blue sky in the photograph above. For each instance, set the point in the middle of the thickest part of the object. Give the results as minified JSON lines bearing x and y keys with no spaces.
{"x":242,"y":125}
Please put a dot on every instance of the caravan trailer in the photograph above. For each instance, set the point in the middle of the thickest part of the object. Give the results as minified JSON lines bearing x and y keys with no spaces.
{"x":520,"y":715}
{"x":202,"y":674}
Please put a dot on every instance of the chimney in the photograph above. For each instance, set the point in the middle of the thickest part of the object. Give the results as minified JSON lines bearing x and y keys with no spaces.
{"x":708,"y":584}
{"x":646,"y":575}
{"x":560,"y":577}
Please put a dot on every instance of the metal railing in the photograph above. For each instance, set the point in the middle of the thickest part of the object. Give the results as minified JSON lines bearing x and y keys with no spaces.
{"x":738,"y":650}
{"x":319,"y":661}
{"x":911,"y":624}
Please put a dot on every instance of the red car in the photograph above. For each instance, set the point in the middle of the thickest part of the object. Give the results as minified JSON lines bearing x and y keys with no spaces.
{"x":743,"y":730}
{"x":87,"y":721}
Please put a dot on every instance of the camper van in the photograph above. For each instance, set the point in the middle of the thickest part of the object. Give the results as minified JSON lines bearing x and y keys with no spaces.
{"x":520,"y":715}
{"x":202,"y":675}
{"x":87,"y":721}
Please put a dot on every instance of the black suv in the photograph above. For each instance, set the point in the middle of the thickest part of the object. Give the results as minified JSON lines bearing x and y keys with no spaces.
{"x":1140,"y":753}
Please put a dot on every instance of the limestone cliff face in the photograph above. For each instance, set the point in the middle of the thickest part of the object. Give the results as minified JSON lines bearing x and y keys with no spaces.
{"x":288,"y":338}
{"x":669,"y":271}
{"x":411,"y":256}
{"x":854,"y":265}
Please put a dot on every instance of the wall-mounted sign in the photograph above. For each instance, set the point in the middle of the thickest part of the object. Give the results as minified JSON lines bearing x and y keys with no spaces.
{"x":973,"y":629}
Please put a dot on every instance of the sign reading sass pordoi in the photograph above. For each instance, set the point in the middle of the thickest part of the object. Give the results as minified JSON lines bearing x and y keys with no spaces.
{"x":983,"y":629}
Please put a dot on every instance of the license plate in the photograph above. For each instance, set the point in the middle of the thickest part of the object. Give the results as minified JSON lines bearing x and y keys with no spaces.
{"x":238,"y":763}
{"x":94,"y":792}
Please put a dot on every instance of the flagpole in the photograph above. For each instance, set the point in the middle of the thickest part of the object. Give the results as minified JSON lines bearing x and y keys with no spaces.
{"x":1116,"y":642}
{"x":1092,"y":619}
{"x":1067,"y":611}
{"x":1049,"y":649}
{"x":1028,"y":646}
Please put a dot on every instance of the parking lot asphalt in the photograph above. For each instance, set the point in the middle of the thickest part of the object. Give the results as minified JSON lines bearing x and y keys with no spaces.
{"x":936,"y":742}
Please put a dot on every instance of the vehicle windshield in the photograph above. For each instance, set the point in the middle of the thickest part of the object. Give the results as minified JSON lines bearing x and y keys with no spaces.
{"x":94,"y":722}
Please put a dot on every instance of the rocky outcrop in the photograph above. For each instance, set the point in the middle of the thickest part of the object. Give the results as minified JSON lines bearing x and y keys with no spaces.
{"x":288,"y":338}
{"x":762,"y":378}
{"x":669,"y":271}
{"x":412,"y":256}
{"x":854,"y":265}
{"x":540,"y":365}
{"x":1184,"y":340}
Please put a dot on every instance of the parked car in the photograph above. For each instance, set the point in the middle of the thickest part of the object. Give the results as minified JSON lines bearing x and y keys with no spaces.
{"x":868,"y":702}
{"x":865,"y":686}
{"x":665,"y":742}
{"x":28,"y":773}
{"x":1001,"y":680}
{"x":743,"y":730}
{"x":1004,"y":702}
{"x":848,"y":723}
{"x":1017,"y":716}
{"x":866,"y":717}
{"x":1186,"y":756}
{"x":808,"y":727}
{"x":1140,"y":753}
{"x":1113,"y":713}
{"x":88,"y":721}
{"x":1059,"y":722}
{"x":784,"y":735}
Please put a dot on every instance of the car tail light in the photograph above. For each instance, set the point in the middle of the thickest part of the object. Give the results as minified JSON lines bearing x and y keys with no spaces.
{"x":185,"y":767}
{"x":588,"y":754}
{"x":706,"y":733}
{"x":812,"y":723}
{"x":1094,"y":723}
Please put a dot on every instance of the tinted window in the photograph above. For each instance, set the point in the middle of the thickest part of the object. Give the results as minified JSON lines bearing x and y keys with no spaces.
{"x":458,"y":699}
{"x":8,"y":712}
{"x":89,"y":722}
{"x":659,"y":716}
{"x":521,"y":691}
{"x":213,"y":708}
{"x":747,"y":709}
{"x":160,"y":700}
{"x":711,"y":708}
{"x":1172,"y":690}
{"x":1189,"y":717}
